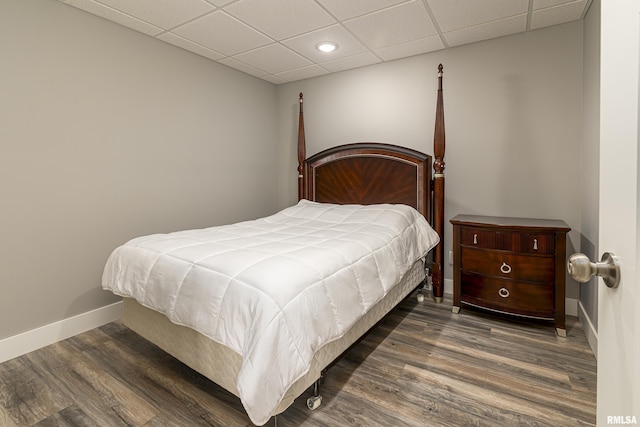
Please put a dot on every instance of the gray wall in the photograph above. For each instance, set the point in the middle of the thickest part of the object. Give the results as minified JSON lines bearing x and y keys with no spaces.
{"x":513,"y":114}
{"x":107,"y":134}
{"x":590,"y":159}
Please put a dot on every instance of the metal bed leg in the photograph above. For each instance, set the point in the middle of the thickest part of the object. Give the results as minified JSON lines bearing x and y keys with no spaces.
{"x":420,"y":296}
{"x":426,"y":283}
{"x":314,"y":401}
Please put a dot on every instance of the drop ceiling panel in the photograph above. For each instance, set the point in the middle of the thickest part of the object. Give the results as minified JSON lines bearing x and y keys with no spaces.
{"x":176,"y":40}
{"x":565,"y":12}
{"x":487,"y":31}
{"x":116,"y":16}
{"x":223,"y":33}
{"x":275,"y":39}
{"x":543,"y":4}
{"x":343,"y":9}
{"x":306,"y":44}
{"x":163,"y":13}
{"x":280,"y":19}
{"x":220,"y":3}
{"x":394,"y":25}
{"x":234,"y":63}
{"x":414,"y":47}
{"x":273,"y":59}
{"x":353,"y":61}
{"x":302,"y":73}
{"x":456,"y":14}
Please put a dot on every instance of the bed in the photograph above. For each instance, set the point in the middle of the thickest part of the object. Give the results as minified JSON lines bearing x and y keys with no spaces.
{"x":263,"y":307}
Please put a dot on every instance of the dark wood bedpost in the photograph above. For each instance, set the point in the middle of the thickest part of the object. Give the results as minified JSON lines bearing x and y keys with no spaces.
{"x":301,"y":153}
{"x":438,"y":193}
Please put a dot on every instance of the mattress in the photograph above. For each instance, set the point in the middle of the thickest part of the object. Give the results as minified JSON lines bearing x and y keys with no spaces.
{"x":221,"y":365}
{"x":274,"y":290}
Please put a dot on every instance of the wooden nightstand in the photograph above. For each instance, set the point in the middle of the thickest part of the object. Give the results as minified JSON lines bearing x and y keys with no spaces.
{"x":510,"y":265}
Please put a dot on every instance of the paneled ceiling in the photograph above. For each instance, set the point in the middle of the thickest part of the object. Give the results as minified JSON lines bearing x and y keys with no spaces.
{"x":276,"y":40}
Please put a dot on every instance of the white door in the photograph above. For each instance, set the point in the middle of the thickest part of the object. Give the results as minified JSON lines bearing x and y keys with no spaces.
{"x":619,"y":309}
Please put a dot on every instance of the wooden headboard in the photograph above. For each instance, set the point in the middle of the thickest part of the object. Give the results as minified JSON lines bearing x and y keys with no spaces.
{"x":370,"y":172}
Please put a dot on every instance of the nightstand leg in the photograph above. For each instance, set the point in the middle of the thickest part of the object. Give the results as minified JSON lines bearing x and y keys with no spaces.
{"x":455,"y":309}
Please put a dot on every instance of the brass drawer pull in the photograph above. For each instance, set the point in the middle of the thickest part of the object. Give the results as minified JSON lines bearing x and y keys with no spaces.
{"x":505,"y":268}
{"x":503,"y":292}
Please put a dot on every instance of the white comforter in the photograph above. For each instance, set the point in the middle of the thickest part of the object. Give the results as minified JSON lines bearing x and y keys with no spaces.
{"x":276,"y":289}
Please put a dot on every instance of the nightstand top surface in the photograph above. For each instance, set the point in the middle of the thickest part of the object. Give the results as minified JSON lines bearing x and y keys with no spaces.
{"x":481,"y":220}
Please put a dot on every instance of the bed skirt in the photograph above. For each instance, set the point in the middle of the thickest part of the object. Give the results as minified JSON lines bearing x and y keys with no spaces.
{"x":221,"y":365}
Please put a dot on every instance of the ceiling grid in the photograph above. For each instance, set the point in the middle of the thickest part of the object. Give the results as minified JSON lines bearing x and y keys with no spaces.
{"x":276,"y":40}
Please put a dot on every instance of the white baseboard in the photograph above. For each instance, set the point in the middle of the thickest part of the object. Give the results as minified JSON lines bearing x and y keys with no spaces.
{"x":589,"y":330}
{"x":571,"y":307}
{"x":448,"y":286}
{"x":34,"y":339}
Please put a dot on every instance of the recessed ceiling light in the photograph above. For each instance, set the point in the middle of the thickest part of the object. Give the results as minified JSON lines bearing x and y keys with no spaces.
{"x":327,"y":47}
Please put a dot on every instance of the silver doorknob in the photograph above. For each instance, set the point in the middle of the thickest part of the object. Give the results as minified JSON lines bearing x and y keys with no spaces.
{"x":582,"y":269}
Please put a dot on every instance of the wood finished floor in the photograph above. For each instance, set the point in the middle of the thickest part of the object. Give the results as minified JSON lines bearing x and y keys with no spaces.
{"x":423,"y":366}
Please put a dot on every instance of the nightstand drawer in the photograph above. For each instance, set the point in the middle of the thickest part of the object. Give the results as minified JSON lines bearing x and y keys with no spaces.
{"x":508,"y":265}
{"x":478,"y":238}
{"x":539,"y":243}
{"x":533,"y":243}
{"x":527,"y":299}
